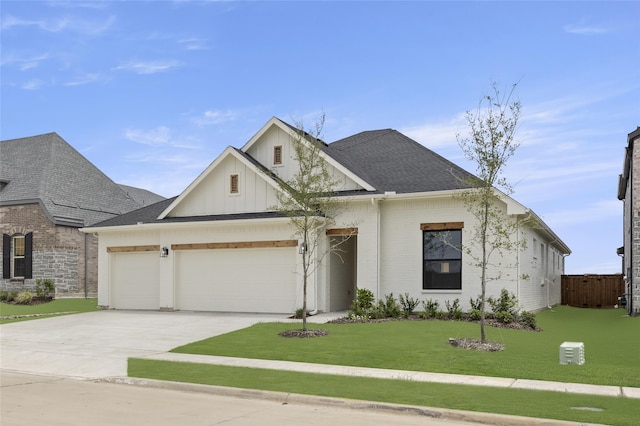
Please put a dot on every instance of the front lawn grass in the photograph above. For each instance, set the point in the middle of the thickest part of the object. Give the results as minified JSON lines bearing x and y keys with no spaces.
{"x":13,"y":313}
{"x":609,"y":337}
{"x":552,"y":405}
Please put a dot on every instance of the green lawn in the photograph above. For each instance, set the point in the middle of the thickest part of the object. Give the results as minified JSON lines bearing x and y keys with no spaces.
{"x":13,"y":313}
{"x":608,"y":336}
{"x":518,"y":402}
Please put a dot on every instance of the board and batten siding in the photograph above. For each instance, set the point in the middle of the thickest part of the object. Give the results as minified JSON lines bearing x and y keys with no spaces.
{"x":213,"y":195}
{"x":275,"y":136}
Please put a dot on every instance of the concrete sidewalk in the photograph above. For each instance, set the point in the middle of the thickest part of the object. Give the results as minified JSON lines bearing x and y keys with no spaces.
{"x":417,"y":376}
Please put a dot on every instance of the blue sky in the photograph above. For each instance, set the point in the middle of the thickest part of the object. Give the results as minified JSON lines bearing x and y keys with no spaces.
{"x":152,"y":92}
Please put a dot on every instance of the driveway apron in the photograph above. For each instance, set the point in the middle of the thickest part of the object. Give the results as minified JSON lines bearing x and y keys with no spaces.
{"x":97,"y":344}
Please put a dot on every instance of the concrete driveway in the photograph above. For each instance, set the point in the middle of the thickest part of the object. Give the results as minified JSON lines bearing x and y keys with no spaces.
{"x":97,"y":344}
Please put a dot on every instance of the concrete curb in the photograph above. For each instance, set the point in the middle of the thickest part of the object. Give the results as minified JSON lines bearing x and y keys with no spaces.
{"x":380,"y":373}
{"x":289,"y":398}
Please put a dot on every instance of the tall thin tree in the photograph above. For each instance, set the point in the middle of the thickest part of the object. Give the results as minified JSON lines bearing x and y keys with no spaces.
{"x":490,"y":144}
{"x":307,"y":198}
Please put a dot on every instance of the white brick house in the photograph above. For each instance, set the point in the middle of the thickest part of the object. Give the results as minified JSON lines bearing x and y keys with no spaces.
{"x":219,"y":247}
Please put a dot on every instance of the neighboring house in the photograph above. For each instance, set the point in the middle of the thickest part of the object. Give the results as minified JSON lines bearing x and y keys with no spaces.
{"x":48,"y":191}
{"x":628,"y":187}
{"x":220,"y":246}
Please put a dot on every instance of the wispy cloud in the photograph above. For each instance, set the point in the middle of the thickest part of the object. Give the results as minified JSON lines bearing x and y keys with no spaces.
{"x":85,"y":78}
{"x":434,"y":135}
{"x":159,"y":136}
{"x":64,"y":23}
{"x":152,"y":67}
{"x":34,"y":84}
{"x":585,"y":29}
{"x":212,"y":117}
{"x":24,"y":63}
{"x":193,"y":43}
{"x":598,"y":211}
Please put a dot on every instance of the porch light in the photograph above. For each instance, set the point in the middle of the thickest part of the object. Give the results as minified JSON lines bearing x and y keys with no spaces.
{"x":164,"y":252}
{"x":302,"y":248}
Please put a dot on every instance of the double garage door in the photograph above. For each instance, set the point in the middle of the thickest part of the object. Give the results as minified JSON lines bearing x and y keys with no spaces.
{"x":220,"y":280}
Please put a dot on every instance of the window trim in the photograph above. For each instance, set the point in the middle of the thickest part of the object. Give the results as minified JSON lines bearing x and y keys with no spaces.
{"x":438,"y":227}
{"x":278,"y":155}
{"x":16,"y":257}
{"x":9,"y":256}
{"x":234,"y":183}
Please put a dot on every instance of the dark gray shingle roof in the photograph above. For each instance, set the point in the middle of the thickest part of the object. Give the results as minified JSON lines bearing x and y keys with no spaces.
{"x":47,"y":169}
{"x":141,"y":196}
{"x":386,"y":159}
{"x":391,"y":161}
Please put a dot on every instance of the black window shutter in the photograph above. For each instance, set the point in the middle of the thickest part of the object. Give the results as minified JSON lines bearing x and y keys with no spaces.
{"x":6,"y":256}
{"x":28,"y":255}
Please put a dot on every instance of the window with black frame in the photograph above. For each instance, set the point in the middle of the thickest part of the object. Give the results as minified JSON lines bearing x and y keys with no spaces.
{"x":442,"y":256}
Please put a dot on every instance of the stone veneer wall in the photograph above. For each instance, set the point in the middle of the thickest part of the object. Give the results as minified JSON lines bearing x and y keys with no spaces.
{"x":58,"y":252}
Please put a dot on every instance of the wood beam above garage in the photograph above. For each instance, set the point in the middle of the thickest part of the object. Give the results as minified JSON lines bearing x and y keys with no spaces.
{"x":132,"y":249}
{"x":342,"y":231}
{"x":236,"y":245}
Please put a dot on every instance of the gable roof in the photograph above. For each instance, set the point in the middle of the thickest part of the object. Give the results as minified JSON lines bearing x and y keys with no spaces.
{"x":141,"y":196}
{"x":229,"y":151}
{"x":391,"y":161}
{"x":45,"y":169}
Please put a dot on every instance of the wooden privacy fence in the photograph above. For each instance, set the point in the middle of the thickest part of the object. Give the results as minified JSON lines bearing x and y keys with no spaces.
{"x":592,"y":291}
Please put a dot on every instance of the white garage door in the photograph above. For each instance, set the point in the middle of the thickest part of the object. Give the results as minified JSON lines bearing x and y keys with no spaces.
{"x":237,"y":280}
{"x":135,"y":280}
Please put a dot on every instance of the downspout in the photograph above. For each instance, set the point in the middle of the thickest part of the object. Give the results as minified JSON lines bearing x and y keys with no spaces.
{"x":376,"y":204}
{"x":518,"y":264}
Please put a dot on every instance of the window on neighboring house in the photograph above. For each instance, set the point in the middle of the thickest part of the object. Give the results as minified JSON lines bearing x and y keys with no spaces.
{"x":442,"y":256}
{"x":17,"y":256}
{"x":233,"y":184}
{"x":277,"y":154}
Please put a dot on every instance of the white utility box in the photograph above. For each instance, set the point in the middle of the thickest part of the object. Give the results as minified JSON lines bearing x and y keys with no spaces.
{"x":572,"y":353}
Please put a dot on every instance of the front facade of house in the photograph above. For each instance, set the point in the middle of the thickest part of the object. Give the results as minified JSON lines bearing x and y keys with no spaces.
{"x":628,"y":187}
{"x":48,"y":191}
{"x":220,"y":246}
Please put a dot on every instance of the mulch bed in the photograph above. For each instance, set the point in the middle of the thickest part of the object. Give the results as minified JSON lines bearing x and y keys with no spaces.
{"x":305,"y":333}
{"x":490,"y":322}
{"x":476,"y":344}
{"x":34,"y":301}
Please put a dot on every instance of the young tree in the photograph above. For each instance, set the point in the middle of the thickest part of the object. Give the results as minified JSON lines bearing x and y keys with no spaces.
{"x":491,"y":143}
{"x":307,"y":199}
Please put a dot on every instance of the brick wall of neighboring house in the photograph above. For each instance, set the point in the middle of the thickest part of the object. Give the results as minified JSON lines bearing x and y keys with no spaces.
{"x":58,"y":252}
{"x":635,"y":233}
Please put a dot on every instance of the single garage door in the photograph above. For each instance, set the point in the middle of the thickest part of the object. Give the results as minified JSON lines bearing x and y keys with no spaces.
{"x":135,"y":280}
{"x":237,"y":280}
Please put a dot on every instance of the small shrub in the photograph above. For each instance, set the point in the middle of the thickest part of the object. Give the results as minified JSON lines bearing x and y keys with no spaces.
{"x":430,"y":308}
{"x":528,"y":319}
{"x":45,"y":288}
{"x":476,"y":304}
{"x":504,"y":317}
{"x":298,"y":314}
{"x":453,"y":309}
{"x":389,"y":308}
{"x":363,"y":305}
{"x":441,"y":315}
{"x":11,"y":296}
{"x":506,"y":302}
{"x":408,"y":304}
{"x":475,"y":315}
{"x":4,"y":295}
{"x":24,"y":298}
